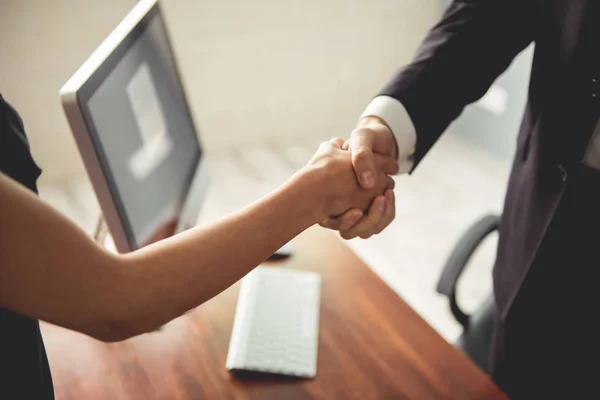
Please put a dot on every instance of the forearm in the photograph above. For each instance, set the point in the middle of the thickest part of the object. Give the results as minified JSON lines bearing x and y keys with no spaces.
{"x":176,"y":275}
{"x":461,"y":56}
{"x":49,"y":269}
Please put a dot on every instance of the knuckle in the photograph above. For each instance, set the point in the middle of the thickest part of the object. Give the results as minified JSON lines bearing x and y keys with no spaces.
{"x":362,"y":154}
{"x":346,"y":224}
{"x":362,"y":150}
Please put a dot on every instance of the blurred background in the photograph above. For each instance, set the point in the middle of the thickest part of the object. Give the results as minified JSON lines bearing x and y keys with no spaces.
{"x":267,"y":81}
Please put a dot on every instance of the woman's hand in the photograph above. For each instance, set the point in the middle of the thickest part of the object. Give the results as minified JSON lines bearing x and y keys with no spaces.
{"x":331,"y":177}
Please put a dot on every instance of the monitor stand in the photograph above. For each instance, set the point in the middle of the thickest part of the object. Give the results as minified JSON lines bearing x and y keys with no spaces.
{"x":286,"y":251}
{"x":103,"y":237}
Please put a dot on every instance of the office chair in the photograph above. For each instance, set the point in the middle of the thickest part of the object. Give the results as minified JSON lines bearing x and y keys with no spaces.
{"x":478,"y":328}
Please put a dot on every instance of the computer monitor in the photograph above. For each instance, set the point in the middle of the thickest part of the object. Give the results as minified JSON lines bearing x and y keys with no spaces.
{"x":132,"y":124}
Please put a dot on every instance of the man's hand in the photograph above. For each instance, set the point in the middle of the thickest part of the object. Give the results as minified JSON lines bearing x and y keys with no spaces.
{"x":371,"y":136}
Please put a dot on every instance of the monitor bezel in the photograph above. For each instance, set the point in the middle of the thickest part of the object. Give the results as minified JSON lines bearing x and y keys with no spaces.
{"x":76,"y":94}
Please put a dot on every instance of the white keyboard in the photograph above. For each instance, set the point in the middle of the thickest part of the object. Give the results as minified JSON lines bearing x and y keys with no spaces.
{"x":276,"y":326}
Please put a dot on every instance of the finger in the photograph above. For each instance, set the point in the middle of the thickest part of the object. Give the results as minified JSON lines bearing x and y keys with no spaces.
{"x":386,"y":181}
{"x":390,"y":211}
{"x":368,"y":224}
{"x":331,"y":223}
{"x":373,"y":219}
{"x":391,"y":183}
{"x":343,"y":222}
{"x":350,"y":218}
{"x":361,"y":145}
{"x":338,"y":142}
{"x":346,"y":145}
{"x":387,"y":164}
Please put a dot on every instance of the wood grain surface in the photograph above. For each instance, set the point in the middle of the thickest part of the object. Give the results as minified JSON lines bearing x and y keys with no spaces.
{"x":372,"y":345}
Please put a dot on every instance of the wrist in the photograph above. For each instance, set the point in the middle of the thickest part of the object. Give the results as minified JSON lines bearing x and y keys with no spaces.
{"x":371,"y":121}
{"x":306,"y":195}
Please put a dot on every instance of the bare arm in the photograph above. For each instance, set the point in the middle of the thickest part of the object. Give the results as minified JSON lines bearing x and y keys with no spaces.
{"x":49,"y":269}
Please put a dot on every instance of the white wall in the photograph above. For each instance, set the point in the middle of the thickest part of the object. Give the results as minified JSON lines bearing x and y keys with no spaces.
{"x":255,"y":70}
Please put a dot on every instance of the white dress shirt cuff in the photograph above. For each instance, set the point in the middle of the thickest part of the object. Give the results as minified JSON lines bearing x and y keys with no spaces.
{"x":393,"y":113}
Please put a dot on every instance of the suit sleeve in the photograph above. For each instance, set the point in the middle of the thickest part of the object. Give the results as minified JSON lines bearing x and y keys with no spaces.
{"x":474,"y":42}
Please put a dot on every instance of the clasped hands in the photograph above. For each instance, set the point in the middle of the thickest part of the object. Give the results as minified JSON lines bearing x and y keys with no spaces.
{"x":359,"y":191}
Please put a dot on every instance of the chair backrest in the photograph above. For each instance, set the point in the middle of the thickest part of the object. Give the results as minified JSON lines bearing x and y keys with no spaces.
{"x":457,"y":261}
{"x":478,"y":328}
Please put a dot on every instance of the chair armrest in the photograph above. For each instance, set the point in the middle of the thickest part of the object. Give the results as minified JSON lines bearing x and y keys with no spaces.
{"x":456,"y":262}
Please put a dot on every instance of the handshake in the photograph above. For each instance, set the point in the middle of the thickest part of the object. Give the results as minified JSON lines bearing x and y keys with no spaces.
{"x":350,"y":182}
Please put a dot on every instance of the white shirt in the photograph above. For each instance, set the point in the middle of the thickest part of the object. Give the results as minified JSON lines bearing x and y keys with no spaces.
{"x":393,"y":113}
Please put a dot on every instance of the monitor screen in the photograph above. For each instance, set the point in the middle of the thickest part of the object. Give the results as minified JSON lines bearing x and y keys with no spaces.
{"x":141,"y":127}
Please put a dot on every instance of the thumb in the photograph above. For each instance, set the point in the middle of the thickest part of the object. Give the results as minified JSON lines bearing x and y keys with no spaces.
{"x":363,"y":160}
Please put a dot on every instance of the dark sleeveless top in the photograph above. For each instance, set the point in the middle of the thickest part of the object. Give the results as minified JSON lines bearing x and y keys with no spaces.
{"x":24,"y":370}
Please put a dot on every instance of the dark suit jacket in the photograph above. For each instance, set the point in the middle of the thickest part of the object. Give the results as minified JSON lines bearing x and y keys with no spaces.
{"x":475,"y":42}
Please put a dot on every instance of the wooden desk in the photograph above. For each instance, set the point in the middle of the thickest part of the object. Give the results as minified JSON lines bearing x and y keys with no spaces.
{"x":372,"y":345}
